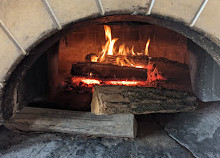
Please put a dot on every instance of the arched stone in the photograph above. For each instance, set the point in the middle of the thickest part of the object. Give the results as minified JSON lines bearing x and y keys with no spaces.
{"x":68,"y":11}
{"x":126,"y":6}
{"x":27,"y":20}
{"x":30,"y":22}
{"x":208,"y":20}
{"x":177,"y":9}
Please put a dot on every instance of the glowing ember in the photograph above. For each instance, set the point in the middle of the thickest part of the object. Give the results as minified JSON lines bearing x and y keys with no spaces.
{"x":125,"y":83}
{"x":91,"y":81}
{"x":94,"y":58}
{"x":139,"y":67}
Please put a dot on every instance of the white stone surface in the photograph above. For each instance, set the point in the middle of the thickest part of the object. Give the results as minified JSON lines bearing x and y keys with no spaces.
{"x":8,"y":55}
{"x":68,"y":11}
{"x":208,"y":20}
{"x":27,"y":20}
{"x":131,"y":6}
{"x":178,"y":9}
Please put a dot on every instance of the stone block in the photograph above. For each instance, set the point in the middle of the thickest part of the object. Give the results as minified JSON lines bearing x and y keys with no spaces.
{"x":27,"y":20}
{"x":177,"y":9}
{"x":126,"y":6}
{"x":8,"y":55}
{"x":208,"y":20}
{"x":68,"y":11}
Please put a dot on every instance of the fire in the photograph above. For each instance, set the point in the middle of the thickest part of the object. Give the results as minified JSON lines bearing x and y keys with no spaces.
{"x":120,"y":54}
{"x":110,"y":43}
{"x":146,"y":48}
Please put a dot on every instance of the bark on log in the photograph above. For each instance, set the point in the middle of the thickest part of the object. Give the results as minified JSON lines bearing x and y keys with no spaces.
{"x":139,"y":100}
{"x":100,"y":70}
{"x":73,"y":122}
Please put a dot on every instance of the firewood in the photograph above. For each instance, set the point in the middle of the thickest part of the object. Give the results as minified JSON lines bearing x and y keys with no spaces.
{"x":139,"y":100}
{"x":73,"y":122}
{"x":101,"y":70}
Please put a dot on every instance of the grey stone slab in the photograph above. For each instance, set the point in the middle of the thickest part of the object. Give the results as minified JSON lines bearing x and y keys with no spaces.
{"x":198,"y":131}
{"x":151,"y":142}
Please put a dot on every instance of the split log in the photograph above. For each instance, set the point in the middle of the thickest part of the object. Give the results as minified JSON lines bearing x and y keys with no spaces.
{"x":139,"y":100}
{"x":73,"y":122}
{"x":100,"y":70}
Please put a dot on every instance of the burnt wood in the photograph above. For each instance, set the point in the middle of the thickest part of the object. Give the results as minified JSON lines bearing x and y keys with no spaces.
{"x":110,"y":71}
{"x":140,"y":100}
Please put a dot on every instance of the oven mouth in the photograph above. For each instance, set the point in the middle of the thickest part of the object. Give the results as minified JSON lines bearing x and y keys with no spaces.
{"x":47,"y":57}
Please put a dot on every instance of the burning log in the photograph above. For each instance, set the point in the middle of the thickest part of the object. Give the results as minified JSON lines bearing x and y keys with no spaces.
{"x":100,"y":70}
{"x":139,"y":100}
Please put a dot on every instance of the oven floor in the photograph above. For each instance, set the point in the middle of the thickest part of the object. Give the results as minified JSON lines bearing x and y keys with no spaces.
{"x":194,"y":134}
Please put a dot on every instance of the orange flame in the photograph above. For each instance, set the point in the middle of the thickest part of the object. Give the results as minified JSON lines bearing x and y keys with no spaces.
{"x":111,"y":42}
{"x":146,"y":48}
{"x":111,"y":46}
{"x":132,"y":51}
{"x":108,"y":34}
{"x":109,"y":50}
{"x":121,"y":56}
{"x":104,"y":50}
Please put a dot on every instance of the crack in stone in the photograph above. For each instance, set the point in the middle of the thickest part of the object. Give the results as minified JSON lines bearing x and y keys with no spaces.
{"x":179,"y":143}
{"x":174,"y":139}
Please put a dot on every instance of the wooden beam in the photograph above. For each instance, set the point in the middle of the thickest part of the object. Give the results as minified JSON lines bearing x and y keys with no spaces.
{"x":73,"y":122}
{"x":139,"y":100}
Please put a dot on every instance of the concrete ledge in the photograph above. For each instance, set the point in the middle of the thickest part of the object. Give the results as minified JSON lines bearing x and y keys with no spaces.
{"x":72,"y":122}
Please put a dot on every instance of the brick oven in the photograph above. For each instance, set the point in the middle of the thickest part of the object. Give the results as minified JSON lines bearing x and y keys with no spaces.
{"x":43,"y":43}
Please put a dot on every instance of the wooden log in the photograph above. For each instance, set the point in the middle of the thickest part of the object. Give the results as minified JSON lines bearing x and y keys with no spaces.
{"x":100,"y":70}
{"x":73,"y":122}
{"x":139,"y":100}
